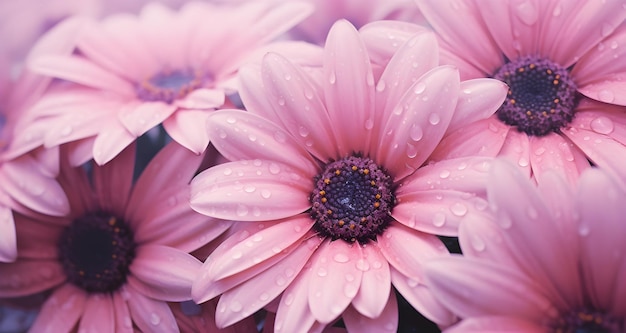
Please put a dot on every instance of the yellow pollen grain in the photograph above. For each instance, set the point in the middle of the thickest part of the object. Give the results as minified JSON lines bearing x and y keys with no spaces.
{"x":552,"y":111}
{"x":549,"y":71}
{"x":555,"y":82}
{"x":352,"y":226}
{"x":373,"y":183}
{"x":545,"y":114}
{"x":363,"y":220}
{"x":558,"y":76}
{"x":337,"y":172}
{"x":376,"y":204}
{"x":322,"y":192}
{"x":81,"y":273}
{"x":528,"y":113}
{"x":366,"y":171}
{"x":556,"y":101}
{"x":326,"y":181}
{"x":341,"y":223}
{"x":324,"y":199}
{"x":112,"y":221}
{"x":520,"y":70}
{"x":329,"y":212}
{"x":116,"y":230}
{"x":510,"y":92}
{"x":354,"y":168}
{"x":114,"y":256}
{"x":512,"y":101}
{"x":114,"y":242}
{"x":531,"y":66}
{"x":378,"y":196}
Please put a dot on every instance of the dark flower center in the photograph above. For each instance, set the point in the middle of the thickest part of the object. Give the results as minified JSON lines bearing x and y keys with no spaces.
{"x":352,"y":200}
{"x":96,"y":251}
{"x":587,"y":321}
{"x":168,"y":86}
{"x":541,"y":98}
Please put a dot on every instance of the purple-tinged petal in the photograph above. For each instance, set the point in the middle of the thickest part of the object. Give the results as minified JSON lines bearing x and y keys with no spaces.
{"x":383,"y":38}
{"x":386,"y":321}
{"x":202,"y":99}
{"x":251,"y":191}
{"x":8,"y":244}
{"x":240,"y":135}
{"x":148,"y":314}
{"x":510,"y":324}
{"x":473,"y":288}
{"x":139,"y":117}
{"x":418,"y":121}
{"x":123,"y":322}
{"x":110,"y":142}
{"x":27,"y":277}
{"x":166,"y":271}
{"x":349,"y":90}
{"x":479,"y":99}
{"x":372,"y":298}
{"x":37,"y":237}
{"x":113,"y":181}
{"x":335,"y":280}
{"x":516,"y":148}
{"x":188,"y":128}
{"x":99,"y":314}
{"x":554,"y":153}
{"x":61,"y":311}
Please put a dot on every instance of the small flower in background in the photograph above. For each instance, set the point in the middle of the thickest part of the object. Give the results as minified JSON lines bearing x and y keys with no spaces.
{"x":562,"y":63}
{"x":332,"y":174}
{"x":121,"y":253}
{"x":551,"y":259}
{"x":162,"y":67}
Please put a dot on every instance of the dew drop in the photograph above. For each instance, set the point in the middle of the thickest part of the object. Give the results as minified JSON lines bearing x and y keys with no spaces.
{"x":274,"y":168}
{"x":380,"y":86}
{"x":505,"y":222}
{"x":416,"y":133}
{"x":280,"y":137}
{"x":287,"y":76}
{"x":458,"y":209}
{"x":527,"y":12}
{"x":237,"y":255}
{"x":557,"y":10}
{"x":584,"y":230}
{"x":434,"y":118}
{"x":602,"y":125}
{"x":523,"y":162}
{"x":332,"y":78}
{"x":249,"y":189}
{"x":303,"y":131}
{"x":289,"y":299}
{"x":411,"y":150}
{"x":419,"y":88}
{"x":228,"y":172}
{"x":540,"y":151}
{"x":155,"y":319}
{"x":362,"y":265}
{"x":412,"y":283}
{"x":341,"y":257}
{"x":231,"y":120}
{"x":281,"y":101}
{"x":606,"y":96}
{"x":266,"y":194}
{"x":235,"y":306}
{"x":308,"y":93}
{"x":264,"y":297}
{"x":369,"y":124}
{"x":280,"y":281}
{"x":444,"y":174}
{"x":350,"y":290}
{"x":439,"y":219}
{"x":242,"y":210}
{"x":477,"y":243}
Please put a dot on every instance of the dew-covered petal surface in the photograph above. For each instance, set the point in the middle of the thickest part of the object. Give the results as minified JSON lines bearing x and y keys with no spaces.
{"x":61,"y":311}
{"x":371,"y":299}
{"x":510,"y":324}
{"x":99,"y":314}
{"x":387,"y":321}
{"x":148,"y":314}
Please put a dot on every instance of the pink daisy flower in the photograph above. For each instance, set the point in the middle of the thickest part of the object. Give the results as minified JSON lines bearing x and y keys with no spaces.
{"x":332,"y":173}
{"x":27,"y":177}
{"x":550,"y":259}
{"x":561,"y":62}
{"x":121,"y":253}
{"x":161,"y":67}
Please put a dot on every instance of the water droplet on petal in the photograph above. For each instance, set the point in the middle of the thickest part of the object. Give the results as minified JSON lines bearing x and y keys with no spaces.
{"x":557,"y":10}
{"x":274,"y":168}
{"x":242,"y":210}
{"x":505,"y":222}
{"x":477,"y":243}
{"x":380,"y":86}
{"x":523,"y":162}
{"x":419,"y":88}
{"x":155,"y":319}
{"x":584,"y":230}
{"x":444,"y":174}
{"x":231,"y":120}
{"x":540,"y":151}
{"x":527,"y":12}
{"x":303,"y":131}
{"x":411,"y":150}
{"x":332,"y":78}
{"x":434,"y":118}
{"x":235,"y":306}
{"x":606,"y":96}
{"x":602,"y":125}
{"x":439,"y":219}
{"x":458,"y":209}
{"x":362,"y":265}
{"x":416,"y":133}
{"x":369,"y":124}
{"x":67,"y":130}
{"x":341,"y":257}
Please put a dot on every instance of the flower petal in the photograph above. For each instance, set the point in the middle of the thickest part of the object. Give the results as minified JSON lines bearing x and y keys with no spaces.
{"x":252,"y":295}
{"x":418,"y":121}
{"x":139,"y":117}
{"x":510,"y":324}
{"x":110,"y":142}
{"x":188,"y":128}
{"x":373,"y":295}
{"x":293,"y":311}
{"x":271,"y":191}
{"x":386,"y":321}
{"x":27,"y":277}
{"x":123,"y":323}
{"x":61,"y":311}
{"x":335,"y":280}
{"x":8,"y":243}
{"x":113,"y":181}
{"x":260,"y":246}
{"x":473,"y":288}
{"x":168,"y":272}
{"x":148,"y":314}
{"x":554,"y":153}
{"x":242,"y":135}
{"x":37,"y":237}
{"x":202,"y":99}
{"x":479,"y":99}
{"x":349,"y":90}
{"x":99,"y":314}
{"x":299,"y":106}
{"x":383,"y":38}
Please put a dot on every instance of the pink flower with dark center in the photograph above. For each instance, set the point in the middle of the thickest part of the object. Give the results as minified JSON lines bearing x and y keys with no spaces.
{"x":122,"y":252}
{"x":562,"y":62}
{"x":550,"y":258}
{"x":332,"y":173}
{"x":162,"y":67}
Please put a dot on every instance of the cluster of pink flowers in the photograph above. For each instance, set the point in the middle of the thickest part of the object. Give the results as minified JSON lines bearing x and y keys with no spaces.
{"x":314,"y":166}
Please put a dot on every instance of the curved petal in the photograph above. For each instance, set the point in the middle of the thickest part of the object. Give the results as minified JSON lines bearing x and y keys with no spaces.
{"x":252,"y":295}
{"x":148,"y":314}
{"x":8,"y":243}
{"x":123,"y":323}
{"x":188,"y":128}
{"x":516,"y":148}
{"x":242,"y":135}
{"x":387,"y":321}
{"x":421,"y":297}
{"x":373,"y":296}
{"x":299,"y":107}
{"x":293,"y":311}
{"x":349,"y":90}
{"x":465,"y":174}
{"x":82,"y":71}
{"x":601,"y":205}
{"x":27,"y":277}
{"x":383,"y":38}
{"x":139,"y":117}
{"x":554,"y":153}
{"x":418,"y":121}
{"x":510,"y":324}
{"x":479,"y":99}
{"x":335,"y":280}
{"x":480,"y":138}
{"x":110,"y":142}
{"x":37,"y":237}
{"x":167,"y":271}
{"x":251,"y":191}
{"x":99,"y":314}
{"x":259,"y":246}
{"x":23,"y":181}
{"x":406,"y":249}
{"x":469,"y":36}
{"x":61,"y":311}
{"x":202,"y":99}
{"x":473,"y":288}
{"x":113,"y":181}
